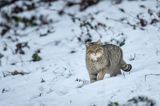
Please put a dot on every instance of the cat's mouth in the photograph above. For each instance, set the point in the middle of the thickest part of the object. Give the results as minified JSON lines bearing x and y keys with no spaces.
{"x":95,"y":56}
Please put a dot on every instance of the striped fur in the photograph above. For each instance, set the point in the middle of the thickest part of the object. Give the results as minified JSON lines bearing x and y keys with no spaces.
{"x":102,"y":59}
{"x":126,"y":67}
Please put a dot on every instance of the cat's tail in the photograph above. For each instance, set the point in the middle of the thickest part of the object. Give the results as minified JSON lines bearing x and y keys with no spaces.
{"x":126,"y":67}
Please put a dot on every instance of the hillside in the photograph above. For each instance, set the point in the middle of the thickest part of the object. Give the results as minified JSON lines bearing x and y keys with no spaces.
{"x":42,"y":53}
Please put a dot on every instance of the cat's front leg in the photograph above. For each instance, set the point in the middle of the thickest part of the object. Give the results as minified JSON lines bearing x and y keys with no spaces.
{"x":101,"y":74}
{"x":93,"y":77}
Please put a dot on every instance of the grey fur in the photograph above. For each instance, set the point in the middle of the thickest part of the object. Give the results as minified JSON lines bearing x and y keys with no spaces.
{"x":110,"y":62}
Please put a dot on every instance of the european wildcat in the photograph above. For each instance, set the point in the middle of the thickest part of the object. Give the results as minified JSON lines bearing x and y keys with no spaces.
{"x":102,"y":59}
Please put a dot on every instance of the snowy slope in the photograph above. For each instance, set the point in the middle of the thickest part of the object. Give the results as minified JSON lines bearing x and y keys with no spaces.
{"x":61,"y":78}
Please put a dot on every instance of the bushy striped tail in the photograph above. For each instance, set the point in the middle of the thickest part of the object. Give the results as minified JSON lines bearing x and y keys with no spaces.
{"x":126,"y":67}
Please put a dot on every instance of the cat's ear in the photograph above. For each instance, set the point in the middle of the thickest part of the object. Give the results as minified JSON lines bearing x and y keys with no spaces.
{"x":99,"y":42}
{"x":87,"y":44}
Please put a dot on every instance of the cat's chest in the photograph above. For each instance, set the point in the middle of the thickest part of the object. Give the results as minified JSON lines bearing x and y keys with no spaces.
{"x":100,"y":64}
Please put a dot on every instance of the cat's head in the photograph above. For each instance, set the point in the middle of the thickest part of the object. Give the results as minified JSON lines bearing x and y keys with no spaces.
{"x":94,"y":50}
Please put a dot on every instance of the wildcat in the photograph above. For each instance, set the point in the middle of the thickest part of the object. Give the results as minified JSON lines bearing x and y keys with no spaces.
{"x":102,"y":59}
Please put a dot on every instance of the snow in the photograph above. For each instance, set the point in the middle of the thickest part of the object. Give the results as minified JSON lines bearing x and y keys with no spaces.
{"x":66,"y":80}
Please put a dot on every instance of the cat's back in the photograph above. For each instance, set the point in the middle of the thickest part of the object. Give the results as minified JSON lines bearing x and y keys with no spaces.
{"x":112,"y":48}
{"x":113,"y":52}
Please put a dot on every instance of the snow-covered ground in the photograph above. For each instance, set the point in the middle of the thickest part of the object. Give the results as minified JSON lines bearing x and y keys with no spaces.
{"x":61,"y":78}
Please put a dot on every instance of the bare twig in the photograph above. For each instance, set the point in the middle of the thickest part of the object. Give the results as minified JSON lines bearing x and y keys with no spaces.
{"x":124,"y":75}
{"x":132,"y":57}
{"x":5,"y":74}
{"x":22,"y":62}
{"x":150,"y":75}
